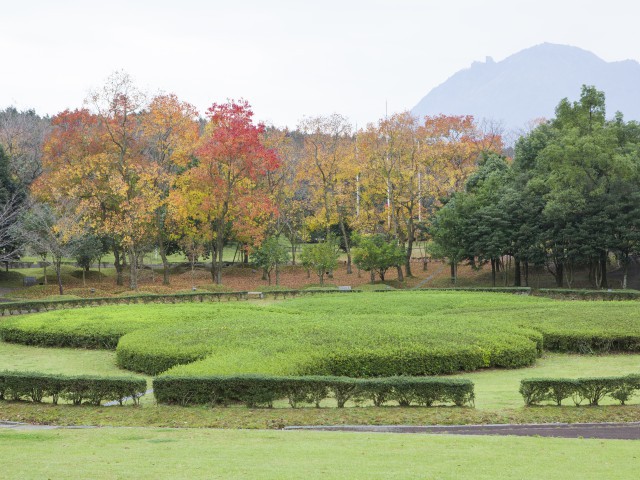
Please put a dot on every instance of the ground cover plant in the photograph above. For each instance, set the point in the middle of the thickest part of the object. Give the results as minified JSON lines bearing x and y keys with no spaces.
{"x":356,"y":335}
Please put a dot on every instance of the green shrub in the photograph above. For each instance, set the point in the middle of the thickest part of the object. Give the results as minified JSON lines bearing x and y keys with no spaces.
{"x":90,"y":389}
{"x":593,"y":390}
{"x":260,"y":390}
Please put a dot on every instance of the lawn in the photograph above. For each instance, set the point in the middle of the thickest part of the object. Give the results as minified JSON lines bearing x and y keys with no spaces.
{"x":68,"y":361}
{"x":166,"y":453}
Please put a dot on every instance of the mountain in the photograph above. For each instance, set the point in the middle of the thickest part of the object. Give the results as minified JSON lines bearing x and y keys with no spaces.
{"x":530,"y":83}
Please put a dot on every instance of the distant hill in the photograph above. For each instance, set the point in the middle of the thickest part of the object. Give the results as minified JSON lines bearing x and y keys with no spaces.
{"x":530,"y":83}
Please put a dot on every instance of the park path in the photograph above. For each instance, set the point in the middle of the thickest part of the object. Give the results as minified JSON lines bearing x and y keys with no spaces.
{"x":608,"y":431}
{"x":430,"y":277}
{"x":620,"y":431}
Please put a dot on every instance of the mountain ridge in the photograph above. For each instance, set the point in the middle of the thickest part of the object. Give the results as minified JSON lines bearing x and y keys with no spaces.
{"x":530,"y":83}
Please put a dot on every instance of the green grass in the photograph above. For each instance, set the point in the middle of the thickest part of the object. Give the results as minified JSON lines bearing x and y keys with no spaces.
{"x":498,"y":389}
{"x":357,"y":334}
{"x":67,"y":361}
{"x":162,"y":453}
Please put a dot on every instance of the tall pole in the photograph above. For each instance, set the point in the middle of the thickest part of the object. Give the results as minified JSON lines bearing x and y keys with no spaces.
{"x":419,"y":196}
{"x":357,"y":177}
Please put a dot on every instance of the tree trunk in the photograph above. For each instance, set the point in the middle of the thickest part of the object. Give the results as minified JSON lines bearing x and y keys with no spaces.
{"x":454,"y":273}
{"x":118,"y":265}
{"x":347,"y":247}
{"x":517,"y":276}
{"x":373,"y":277}
{"x":58,"y":262}
{"x":400,"y":274}
{"x":220,"y":252}
{"x":381,"y":273}
{"x":407,"y":260}
{"x":603,"y":269}
{"x":293,"y":254}
{"x":526,"y":273}
{"x":277,"y":274}
{"x":133,"y":269}
{"x":625,"y":271}
{"x":162,"y":249}
{"x":493,"y":272}
{"x":321,"y":276}
{"x":213,"y":261}
{"x":559,"y":275}
{"x":84,"y":280}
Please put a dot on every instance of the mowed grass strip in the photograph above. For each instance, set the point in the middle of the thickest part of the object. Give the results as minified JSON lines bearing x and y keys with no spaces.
{"x":366,"y":334}
{"x":194,"y":454}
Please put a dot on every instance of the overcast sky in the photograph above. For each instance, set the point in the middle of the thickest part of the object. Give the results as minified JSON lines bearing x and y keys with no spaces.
{"x":287,"y":58}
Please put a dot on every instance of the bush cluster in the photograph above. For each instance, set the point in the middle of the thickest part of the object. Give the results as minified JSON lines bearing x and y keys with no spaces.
{"x":89,"y":389}
{"x":592,"y":390}
{"x":260,"y":390}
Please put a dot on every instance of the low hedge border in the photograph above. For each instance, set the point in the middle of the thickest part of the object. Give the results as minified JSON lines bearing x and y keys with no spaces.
{"x":36,"y":306}
{"x":593,"y":390}
{"x":260,"y":390}
{"x":35,"y":387}
{"x":577,"y":294}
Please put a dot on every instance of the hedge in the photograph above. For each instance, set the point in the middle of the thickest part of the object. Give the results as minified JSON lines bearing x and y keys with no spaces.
{"x":578,"y":294}
{"x":260,"y":390}
{"x":593,"y":390}
{"x":36,"y":306}
{"x":35,"y":387}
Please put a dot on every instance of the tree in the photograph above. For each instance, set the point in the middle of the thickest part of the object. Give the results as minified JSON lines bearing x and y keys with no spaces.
{"x":376,"y":254}
{"x":330,"y":173}
{"x":12,"y":205}
{"x":50,"y":230}
{"x":224,"y":191}
{"x":170,"y":133}
{"x":270,"y":255}
{"x":22,"y":135}
{"x":321,"y":257}
{"x":88,"y":249}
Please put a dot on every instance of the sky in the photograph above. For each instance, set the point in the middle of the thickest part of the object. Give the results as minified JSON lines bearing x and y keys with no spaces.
{"x":289,"y":59}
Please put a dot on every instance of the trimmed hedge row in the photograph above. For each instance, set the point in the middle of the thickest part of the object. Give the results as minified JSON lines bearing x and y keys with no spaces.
{"x":90,"y":389}
{"x":72,"y":339}
{"x":260,"y":390}
{"x":593,"y":390}
{"x":588,"y":343}
{"x":566,"y":293}
{"x":36,"y":306}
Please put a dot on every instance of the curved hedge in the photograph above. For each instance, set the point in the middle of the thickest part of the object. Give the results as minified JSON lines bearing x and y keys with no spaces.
{"x":364,"y":335}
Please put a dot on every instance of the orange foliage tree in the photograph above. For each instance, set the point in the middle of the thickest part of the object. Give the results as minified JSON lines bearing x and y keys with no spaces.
{"x":224,"y":191}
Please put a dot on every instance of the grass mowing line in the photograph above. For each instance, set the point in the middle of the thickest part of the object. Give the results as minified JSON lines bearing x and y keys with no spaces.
{"x":242,"y":454}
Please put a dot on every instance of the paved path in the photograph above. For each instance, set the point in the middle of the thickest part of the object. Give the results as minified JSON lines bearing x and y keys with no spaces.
{"x":622,"y":431}
{"x":430,"y":277}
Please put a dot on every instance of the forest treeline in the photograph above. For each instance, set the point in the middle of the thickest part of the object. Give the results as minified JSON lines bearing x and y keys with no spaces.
{"x":131,"y":174}
{"x":569,"y":199}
